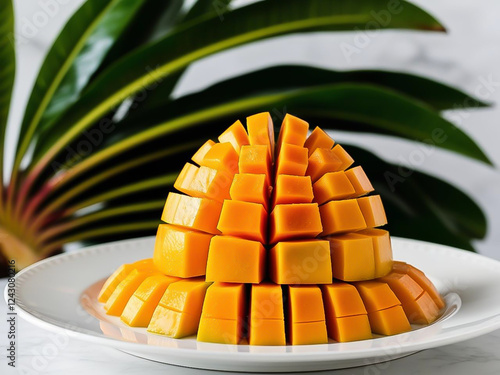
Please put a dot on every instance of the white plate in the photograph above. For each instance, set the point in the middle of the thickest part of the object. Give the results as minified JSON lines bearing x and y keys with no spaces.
{"x":58,"y":293}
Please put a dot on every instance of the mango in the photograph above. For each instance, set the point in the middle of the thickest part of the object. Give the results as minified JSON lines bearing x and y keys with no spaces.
{"x":179,"y":310}
{"x":294,"y":221}
{"x":292,"y":189}
{"x":236,"y":135}
{"x":120,"y":274}
{"x":181,"y":252}
{"x":235,"y":260}
{"x":142,"y":304}
{"x":196,"y":213}
{"x":318,"y":139}
{"x":300,"y":262}
{"x":243,"y":219}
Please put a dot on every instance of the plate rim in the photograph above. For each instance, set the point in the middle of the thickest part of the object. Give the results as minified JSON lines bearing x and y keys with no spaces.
{"x":271,"y":357}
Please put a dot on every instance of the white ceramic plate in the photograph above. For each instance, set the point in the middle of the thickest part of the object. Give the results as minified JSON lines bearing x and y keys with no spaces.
{"x":59,"y":294}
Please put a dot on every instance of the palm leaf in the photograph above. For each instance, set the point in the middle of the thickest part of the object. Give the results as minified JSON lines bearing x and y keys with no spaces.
{"x":71,"y":62}
{"x":7,"y":73}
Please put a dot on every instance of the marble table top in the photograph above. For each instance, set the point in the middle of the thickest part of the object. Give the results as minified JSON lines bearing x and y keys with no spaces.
{"x":37,"y":354}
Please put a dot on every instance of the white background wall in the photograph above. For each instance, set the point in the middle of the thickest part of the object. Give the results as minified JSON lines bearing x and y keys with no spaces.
{"x":467,"y":56}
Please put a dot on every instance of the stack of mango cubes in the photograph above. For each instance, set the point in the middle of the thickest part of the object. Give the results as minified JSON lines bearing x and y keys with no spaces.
{"x":269,"y":243}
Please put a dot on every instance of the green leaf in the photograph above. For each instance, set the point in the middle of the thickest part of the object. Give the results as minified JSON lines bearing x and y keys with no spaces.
{"x":7,"y":74}
{"x":72,"y":60}
{"x":127,"y":229}
{"x":244,"y":25}
{"x":75,"y":224}
{"x":202,"y":8}
{"x":356,"y":107}
{"x":277,"y":79}
{"x":421,"y":206}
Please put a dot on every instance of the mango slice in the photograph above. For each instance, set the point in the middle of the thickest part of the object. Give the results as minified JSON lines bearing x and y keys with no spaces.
{"x":267,"y":320}
{"x":300,"y":262}
{"x":121,"y":295}
{"x":417,"y":304}
{"x":382,"y":250}
{"x":179,"y":310}
{"x":251,"y":188}
{"x":306,"y":316}
{"x":292,"y":189}
{"x":322,"y":161}
{"x":142,"y":304}
{"x":292,"y":160}
{"x":261,"y":131}
{"x":422,"y":280}
{"x":236,"y":260}
{"x":222,"y":316}
{"x":345,"y":158}
{"x":373,"y":211}
{"x":243,"y":219}
{"x":202,"y":151}
{"x":318,"y":139}
{"x":180,"y":251}
{"x":341,"y":216}
{"x":385,"y":313}
{"x":333,"y":186}
{"x":197,"y":213}
{"x":236,"y":135}
{"x":359,"y":181}
{"x":120,"y":274}
{"x":290,"y":221}
{"x":293,"y":132}
{"x":256,"y":160}
{"x":346,"y":316}
{"x":222,"y":157}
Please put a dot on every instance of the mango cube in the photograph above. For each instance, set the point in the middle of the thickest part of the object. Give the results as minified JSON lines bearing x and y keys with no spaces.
{"x":261,"y":131}
{"x":352,"y":257}
{"x":373,"y":211}
{"x":121,"y":295}
{"x":333,"y":186}
{"x":341,"y":216}
{"x":142,"y":304}
{"x":322,"y":161}
{"x":222,"y":157}
{"x":251,"y":188}
{"x":255,"y":159}
{"x":267,"y":325}
{"x":243,"y":219}
{"x":318,"y":139}
{"x":120,"y":274}
{"x":292,"y":160}
{"x":294,"y":221}
{"x":300,"y":262}
{"x":359,"y":180}
{"x":179,"y":310}
{"x":293,"y":131}
{"x":236,"y":135}
{"x":382,"y":250}
{"x":222,"y":314}
{"x":345,"y":158}
{"x":180,"y":251}
{"x":292,"y":189}
{"x":202,"y":151}
{"x":306,"y":316}
{"x":236,"y":260}
{"x":197,"y":213}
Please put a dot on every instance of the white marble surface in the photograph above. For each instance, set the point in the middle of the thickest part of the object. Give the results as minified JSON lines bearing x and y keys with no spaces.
{"x":39,"y":353}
